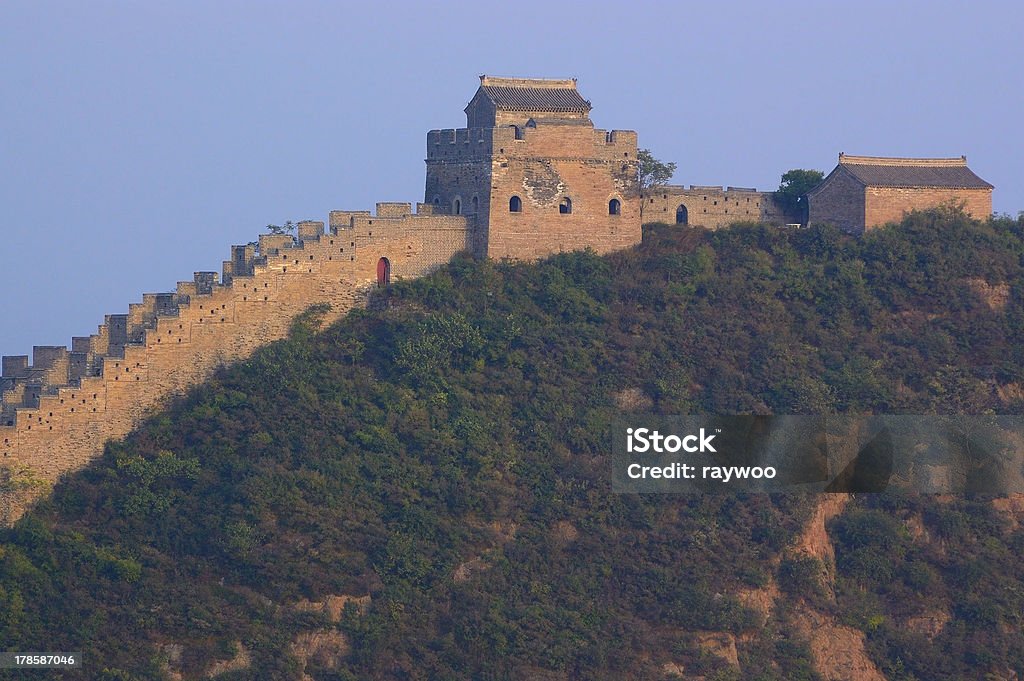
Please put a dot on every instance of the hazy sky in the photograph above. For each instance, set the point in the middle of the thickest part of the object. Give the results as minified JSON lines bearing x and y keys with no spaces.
{"x":139,"y":140}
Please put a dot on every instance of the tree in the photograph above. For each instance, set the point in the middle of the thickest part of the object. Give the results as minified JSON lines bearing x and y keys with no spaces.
{"x":287,"y":228}
{"x":653,"y":173}
{"x":792,"y":193}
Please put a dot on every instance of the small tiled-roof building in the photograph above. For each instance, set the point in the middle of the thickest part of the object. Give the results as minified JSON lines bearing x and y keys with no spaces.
{"x":514,"y":101}
{"x":869,"y":191}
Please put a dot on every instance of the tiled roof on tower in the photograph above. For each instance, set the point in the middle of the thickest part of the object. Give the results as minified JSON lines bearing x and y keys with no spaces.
{"x":513,"y":101}
{"x":534,"y":94}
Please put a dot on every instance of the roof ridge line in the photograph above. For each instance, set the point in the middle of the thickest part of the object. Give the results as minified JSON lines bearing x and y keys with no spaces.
{"x":950,"y":162}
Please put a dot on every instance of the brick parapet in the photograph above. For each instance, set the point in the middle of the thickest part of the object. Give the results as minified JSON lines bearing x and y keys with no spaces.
{"x":710,"y":206}
{"x":58,"y":411}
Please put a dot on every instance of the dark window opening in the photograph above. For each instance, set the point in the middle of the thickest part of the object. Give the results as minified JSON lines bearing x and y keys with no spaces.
{"x":519,"y":131}
{"x":457,"y":207}
{"x":614,"y":207}
{"x":682,"y":216}
{"x":515,"y":205}
{"x":565,"y":207}
{"x":383,"y":272}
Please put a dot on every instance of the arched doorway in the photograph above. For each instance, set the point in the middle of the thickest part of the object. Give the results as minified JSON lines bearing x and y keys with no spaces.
{"x":682,"y":215}
{"x":383,"y":272}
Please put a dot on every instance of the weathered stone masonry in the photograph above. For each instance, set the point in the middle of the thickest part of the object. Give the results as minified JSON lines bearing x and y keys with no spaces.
{"x":528,"y":138}
{"x":58,"y":412}
{"x":536,"y":172}
{"x":711,"y":207}
{"x":530,"y":175}
{"x":864,"y":192}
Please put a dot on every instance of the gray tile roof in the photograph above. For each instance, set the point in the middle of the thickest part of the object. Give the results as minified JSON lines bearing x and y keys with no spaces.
{"x":952,"y":176}
{"x":536,"y":99}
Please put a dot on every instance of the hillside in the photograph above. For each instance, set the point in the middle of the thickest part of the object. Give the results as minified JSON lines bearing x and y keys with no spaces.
{"x":421,"y":491}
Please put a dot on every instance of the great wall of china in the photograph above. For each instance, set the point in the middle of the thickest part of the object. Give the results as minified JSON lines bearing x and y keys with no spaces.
{"x":57,"y":412}
{"x":530,"y":175}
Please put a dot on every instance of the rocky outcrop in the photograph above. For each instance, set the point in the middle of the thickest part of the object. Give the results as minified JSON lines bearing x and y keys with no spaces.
{"x":332,"y":606}
{"x":837,"y":650}
{"x":814,"y":540}
{"x":995,"y":295}
{"x":325,"y":648}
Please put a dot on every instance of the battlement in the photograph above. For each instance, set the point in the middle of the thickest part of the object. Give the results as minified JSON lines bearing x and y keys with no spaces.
{"x":545,"y":137}
{"x":714,"y":188}
{"x":528,"y":176}
{"x":57,"y":411}
{"x":710,"y":206}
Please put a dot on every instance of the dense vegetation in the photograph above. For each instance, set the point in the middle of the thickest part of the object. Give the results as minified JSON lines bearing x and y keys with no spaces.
{"x":445,"y":452}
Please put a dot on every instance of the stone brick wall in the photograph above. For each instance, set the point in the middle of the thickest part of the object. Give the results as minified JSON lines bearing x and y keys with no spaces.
{"x":459,"y":176}
{"x":481,"y":169}
{"x":863,"y":192}
{"x":589,"y":167}
{"x":57,"y":413}
{"x":838,"y":201}
{"x":711,"y":207}
{"x":888,"y":204}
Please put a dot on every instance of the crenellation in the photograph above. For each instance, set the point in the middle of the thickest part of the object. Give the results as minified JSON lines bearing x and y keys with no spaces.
{"x":393,"y":209}
{"x":186,"y":289}
{"x":205,"y":282}
{"x":78,"y":366}
{"x":710,"y":206}
{"x":14,"y":366}
{"x":117,"y":331}
{"x":46,"y":357}
{"x":271,"y":244}
{"x":342,"y":219}
{"x":521,"y":180}
{"x":13,"y":397}
{"x":310,"y":230}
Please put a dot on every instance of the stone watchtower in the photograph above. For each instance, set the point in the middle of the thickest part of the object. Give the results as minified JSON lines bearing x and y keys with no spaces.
{"x":534,"y":174}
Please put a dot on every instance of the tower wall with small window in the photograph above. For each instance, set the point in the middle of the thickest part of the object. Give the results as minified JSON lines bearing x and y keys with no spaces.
{"x":459,"y":176}
{"x":534,"y":174}
{"x":575,"y":187}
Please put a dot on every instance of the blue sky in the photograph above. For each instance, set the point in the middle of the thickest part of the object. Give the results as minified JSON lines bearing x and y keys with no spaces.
{"x":139,"y":140}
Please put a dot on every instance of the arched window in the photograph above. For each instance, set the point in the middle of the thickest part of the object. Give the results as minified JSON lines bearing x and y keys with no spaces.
{"x":476,"y":205}
{"x":614,"y":207}
{"x":515,"y":205}
{"x":519,"y":131}
{"x":565,"y":207}
{"x":383,"y":272}
{"x":457,"y":206}
{"x":682,"y":215}
{"x":437,"y":200}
